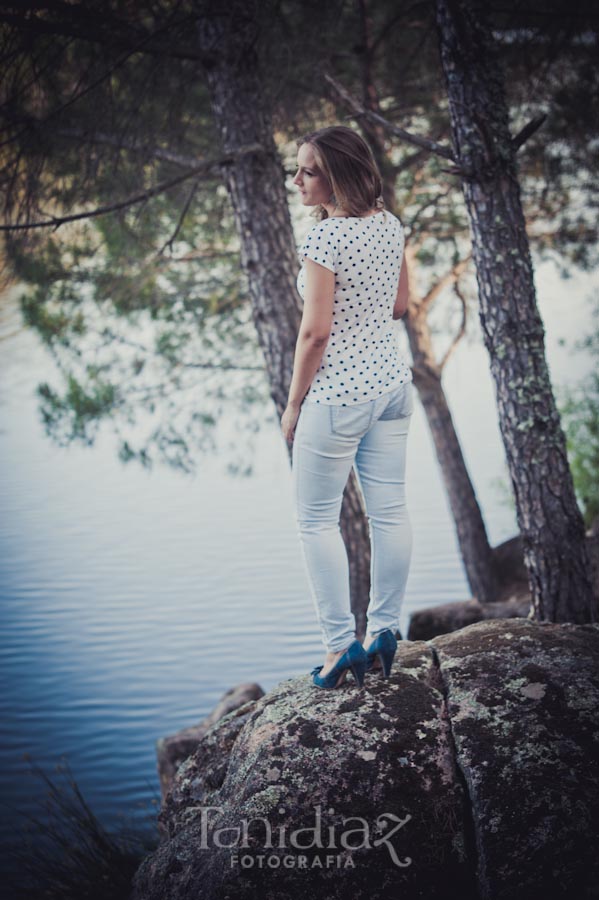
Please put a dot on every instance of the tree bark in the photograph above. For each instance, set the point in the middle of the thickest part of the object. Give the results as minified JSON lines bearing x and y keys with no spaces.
{"x":475,"y":550}
{"x":256,"y":185}
{"x":549,"y":519}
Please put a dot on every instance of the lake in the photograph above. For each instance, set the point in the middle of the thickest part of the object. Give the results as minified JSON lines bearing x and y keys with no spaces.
{"x":132,"y":600}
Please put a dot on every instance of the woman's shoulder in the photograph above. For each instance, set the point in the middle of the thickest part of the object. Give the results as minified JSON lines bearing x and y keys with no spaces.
{"x":396,"y":226}
{"x":322,"y":229}
{"x":325,"y":225}
{"x":391,"y":217}
{"x":338,"y":225}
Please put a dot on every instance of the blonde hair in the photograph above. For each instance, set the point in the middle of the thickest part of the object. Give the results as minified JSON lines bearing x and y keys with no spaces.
{"x":346,"y":161}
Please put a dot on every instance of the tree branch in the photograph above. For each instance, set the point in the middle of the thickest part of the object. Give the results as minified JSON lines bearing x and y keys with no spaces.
{"x":462,"y":329}
{"x":410,"y":160}
{"x":451,"y":276}
{"x":414,"y":139}
{"x":434,"y":201}
{"x":113,"y":140}
{"x":528,"y":130}
{"x":114,"y":32}
{"x":78,"y":94}
{"x":169,"y":243}
{"x":202,"y":169}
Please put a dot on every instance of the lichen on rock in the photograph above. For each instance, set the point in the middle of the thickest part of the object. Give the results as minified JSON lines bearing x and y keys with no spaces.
{"x":471,"y":766}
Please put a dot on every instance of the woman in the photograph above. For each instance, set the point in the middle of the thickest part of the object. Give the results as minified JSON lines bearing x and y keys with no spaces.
{"x":350,"y":400}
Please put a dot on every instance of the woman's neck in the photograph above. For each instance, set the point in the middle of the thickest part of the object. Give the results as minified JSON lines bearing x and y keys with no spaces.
{"x":334,"y":212}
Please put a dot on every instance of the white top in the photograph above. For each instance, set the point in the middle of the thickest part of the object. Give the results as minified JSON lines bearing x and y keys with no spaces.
{"x":362,"y":359}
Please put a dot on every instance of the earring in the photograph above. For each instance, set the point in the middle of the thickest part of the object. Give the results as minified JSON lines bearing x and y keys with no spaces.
{"x":333,"y":199}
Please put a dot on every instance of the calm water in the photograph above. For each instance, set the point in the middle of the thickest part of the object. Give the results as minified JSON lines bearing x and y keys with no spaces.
{"x":132,"y":600}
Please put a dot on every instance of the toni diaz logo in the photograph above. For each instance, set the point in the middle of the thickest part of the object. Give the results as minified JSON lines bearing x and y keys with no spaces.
{"x":359,"y":836}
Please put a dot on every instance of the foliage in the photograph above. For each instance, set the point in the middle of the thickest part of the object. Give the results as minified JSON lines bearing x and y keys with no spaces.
{"x":65,"y":853}
{"x":146,"y":307}
{"x":579,"y":408}
{"x":136,"y":335}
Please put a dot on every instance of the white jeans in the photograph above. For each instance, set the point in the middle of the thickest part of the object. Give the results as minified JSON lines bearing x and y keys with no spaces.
{"x":328,"y":441}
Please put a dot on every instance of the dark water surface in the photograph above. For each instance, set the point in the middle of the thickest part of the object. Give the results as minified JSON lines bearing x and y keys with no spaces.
{"x":132,"y":600}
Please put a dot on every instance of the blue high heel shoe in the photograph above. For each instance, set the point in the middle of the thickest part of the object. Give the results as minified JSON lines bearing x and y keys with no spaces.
{"x":354,"y":658}
{"x":384,"y":646}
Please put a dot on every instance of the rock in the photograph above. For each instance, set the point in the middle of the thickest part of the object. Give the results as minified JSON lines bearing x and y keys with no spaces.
{"x":446,"y":617}
{"x":469,"y":773}
{"x":523,"y":700}
{"x":513,"y":598}
{"x":508,"y":558}
{"x":172,"y":750}
{"x":513,"y":593}
{"x":301,"y":755}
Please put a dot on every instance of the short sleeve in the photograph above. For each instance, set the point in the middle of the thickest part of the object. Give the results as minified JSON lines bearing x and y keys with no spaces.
{"x":321,"y":246}
{"x":402,"y":239}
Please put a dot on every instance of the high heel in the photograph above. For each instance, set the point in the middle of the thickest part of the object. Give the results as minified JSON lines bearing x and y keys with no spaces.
{"x":354,"y":658}
{"x":384,"y":646}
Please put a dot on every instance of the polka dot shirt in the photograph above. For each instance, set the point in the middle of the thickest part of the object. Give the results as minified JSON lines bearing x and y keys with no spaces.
{"x":362,"y":359}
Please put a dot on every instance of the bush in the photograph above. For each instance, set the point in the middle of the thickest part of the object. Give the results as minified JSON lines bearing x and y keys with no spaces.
{"x":579,"y":408}
{"x":68,"y":855}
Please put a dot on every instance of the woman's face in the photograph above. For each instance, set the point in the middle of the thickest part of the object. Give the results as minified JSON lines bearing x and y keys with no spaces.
{"x":313,"y":186}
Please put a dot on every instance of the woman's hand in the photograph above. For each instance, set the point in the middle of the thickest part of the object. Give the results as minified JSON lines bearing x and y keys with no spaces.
{"x":289,"y":421}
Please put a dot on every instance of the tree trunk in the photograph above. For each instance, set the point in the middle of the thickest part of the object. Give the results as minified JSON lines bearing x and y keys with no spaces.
{"x":477,"y":555}
{"x":476,"y":552}
{"x":256,"y":185}
{"x":549,"y":519}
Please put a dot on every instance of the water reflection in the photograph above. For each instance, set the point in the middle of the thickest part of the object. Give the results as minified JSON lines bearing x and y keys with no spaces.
{"x":132,"y":598}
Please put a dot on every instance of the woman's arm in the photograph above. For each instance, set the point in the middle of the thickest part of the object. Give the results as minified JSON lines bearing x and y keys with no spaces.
{"x":403,"y":292}
{"x":312,"y":339}
{"x":314,"y":331}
